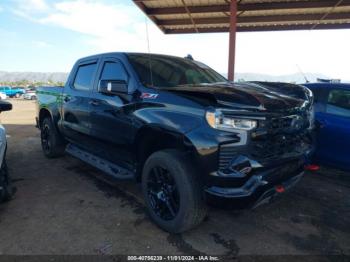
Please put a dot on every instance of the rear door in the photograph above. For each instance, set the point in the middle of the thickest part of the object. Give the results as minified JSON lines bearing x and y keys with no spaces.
{"x":111,"y":116}
{"x":76,"y":123}
{"x":334,"y":129}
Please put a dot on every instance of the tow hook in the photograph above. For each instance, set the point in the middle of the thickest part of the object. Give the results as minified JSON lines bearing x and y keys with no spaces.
{"x":280,"y":189}
{"x":312,"y":167}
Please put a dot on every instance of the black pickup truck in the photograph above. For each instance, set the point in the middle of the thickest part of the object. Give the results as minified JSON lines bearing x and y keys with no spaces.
{"x":181,"y":129}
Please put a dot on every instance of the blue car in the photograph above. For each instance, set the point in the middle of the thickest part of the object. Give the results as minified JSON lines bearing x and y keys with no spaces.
{"x":12,"y":92}
{"x":332,"y":113}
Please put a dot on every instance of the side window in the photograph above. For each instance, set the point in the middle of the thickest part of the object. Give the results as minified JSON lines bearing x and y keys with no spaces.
{"x":84,"y":77}
{"x":114,"y":71}
{"x":339,"y":103}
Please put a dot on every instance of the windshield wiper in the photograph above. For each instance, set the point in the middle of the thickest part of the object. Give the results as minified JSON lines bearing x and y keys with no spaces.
{"x":198,"y":84}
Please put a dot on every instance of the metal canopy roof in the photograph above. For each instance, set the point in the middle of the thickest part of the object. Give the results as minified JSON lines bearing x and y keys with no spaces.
{"x":208,"y":16}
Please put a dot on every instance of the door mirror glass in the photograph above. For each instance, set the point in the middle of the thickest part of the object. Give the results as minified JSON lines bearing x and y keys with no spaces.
{"x":5,"y":106}
{"x":113,"y":87}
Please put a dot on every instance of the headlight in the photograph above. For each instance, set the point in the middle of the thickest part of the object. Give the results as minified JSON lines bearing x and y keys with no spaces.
{"x":218,"y":121}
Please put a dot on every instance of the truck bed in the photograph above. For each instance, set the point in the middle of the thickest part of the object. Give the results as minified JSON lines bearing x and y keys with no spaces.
{"x":49,"y":95}
{"x":50,"y":89}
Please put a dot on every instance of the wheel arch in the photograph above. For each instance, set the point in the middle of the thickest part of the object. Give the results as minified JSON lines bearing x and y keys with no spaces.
{"x":46,"y":112}
{"x":152,"y":138}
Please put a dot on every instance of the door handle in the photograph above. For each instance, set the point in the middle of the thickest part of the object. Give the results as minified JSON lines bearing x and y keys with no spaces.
{"x":66,"y":99}
{"x":94,"y":103}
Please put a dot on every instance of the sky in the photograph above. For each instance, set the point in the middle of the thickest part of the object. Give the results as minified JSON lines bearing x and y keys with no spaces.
{"x":50,"y":35}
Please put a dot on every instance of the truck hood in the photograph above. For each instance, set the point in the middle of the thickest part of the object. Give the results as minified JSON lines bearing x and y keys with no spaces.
{"x":259,"y":96}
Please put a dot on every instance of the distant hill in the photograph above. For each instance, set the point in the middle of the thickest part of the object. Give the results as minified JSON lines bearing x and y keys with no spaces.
{"x":33,"y":76}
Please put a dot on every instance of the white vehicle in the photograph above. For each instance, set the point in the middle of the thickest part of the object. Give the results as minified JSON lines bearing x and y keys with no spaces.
{"x":3,"y":96}
{"x":31,"y":95}
{"x":6,"y":188}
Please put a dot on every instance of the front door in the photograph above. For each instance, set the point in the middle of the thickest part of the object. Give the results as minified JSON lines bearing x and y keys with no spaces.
{"x":111,"y":117}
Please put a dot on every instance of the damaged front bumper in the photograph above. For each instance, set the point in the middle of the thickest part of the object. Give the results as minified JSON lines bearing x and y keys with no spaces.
{"x":258,"y":186}
{"x":245,"y":169}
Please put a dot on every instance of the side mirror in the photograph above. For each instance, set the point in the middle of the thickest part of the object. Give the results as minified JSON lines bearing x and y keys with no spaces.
{"x":5,"y":106}
{"x":113,"y":87}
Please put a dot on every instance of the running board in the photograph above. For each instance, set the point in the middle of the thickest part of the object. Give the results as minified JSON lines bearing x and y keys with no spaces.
{"x":99,"y":163}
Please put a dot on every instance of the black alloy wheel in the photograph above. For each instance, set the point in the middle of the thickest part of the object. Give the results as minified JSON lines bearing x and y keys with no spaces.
{"x":163,"y":193}
{"x":45,"y":138}
{"x":52,"y":143}
{"x":173,"y":191}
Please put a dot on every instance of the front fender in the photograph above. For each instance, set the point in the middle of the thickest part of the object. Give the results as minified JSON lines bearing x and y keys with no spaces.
{"x":170,"y":118}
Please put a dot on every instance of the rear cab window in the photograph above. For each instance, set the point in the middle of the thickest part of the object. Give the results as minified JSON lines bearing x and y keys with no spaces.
{"x":339,"y":102}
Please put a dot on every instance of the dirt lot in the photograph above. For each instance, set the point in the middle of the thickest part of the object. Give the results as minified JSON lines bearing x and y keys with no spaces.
{"x":61,"y":208}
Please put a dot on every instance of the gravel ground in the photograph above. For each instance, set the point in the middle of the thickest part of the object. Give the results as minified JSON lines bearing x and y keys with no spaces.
{"x":63,"y":206}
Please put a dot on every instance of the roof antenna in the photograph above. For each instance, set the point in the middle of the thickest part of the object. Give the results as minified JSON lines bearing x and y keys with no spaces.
{"x":149,"y":53}
{"x":301,"y":72}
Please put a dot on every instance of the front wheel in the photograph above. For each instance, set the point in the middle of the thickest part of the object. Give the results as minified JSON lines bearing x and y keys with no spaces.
{"x":51,"y":141}
{"x":7,"y":190}
{"x":173,"y":192}
{"x":17,"y":95}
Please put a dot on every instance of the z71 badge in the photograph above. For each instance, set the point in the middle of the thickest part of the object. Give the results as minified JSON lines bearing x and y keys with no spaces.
{"x":149,"y":95}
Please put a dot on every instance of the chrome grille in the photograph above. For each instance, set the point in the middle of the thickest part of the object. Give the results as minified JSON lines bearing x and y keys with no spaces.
{"x":276,"y":138}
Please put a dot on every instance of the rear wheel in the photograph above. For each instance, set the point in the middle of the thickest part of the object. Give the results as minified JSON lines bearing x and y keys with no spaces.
{"x":172,"y":191}
{"x":17,"y":95}
{"x":51,"y":142}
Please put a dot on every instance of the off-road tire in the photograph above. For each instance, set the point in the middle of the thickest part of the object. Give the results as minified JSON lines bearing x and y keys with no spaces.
{"x":192,"y":207}
{"x":52,"y":143}
{"x":8,"y":190}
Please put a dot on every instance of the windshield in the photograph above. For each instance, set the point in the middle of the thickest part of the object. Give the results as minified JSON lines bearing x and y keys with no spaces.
{"x":168,"y":71}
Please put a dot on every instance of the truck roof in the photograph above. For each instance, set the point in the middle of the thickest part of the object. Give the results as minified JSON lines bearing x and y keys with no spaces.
{"x":124,"y":53}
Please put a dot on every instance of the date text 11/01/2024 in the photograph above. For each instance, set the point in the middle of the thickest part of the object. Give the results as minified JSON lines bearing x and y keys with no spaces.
{"x":173,"y":258}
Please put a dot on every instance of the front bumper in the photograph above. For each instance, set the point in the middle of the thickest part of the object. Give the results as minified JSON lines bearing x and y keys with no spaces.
{"x":261,"y":187}
{"x":244,"y":169}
